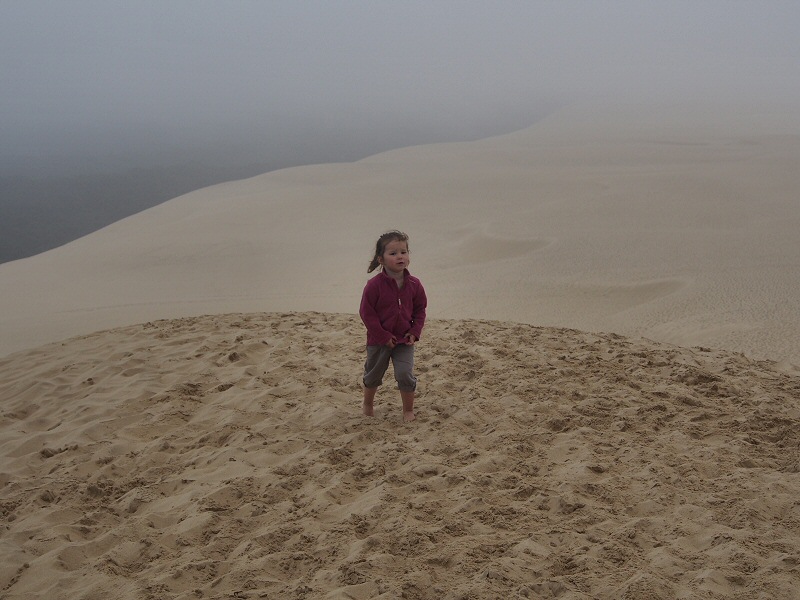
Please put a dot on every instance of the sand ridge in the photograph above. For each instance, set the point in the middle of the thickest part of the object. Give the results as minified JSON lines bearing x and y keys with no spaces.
{"x":675,"y":223}
{"x":224,"y":456}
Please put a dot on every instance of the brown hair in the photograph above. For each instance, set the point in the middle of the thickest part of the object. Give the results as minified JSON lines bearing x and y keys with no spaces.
{"x":380,"y":246}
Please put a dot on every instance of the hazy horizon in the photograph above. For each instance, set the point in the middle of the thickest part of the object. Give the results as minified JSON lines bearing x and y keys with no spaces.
{"x":98,"y":89}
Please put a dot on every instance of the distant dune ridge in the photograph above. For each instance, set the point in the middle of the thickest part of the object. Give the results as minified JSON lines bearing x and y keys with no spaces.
{"x":609,"y":399}
{"x":672,"y":224}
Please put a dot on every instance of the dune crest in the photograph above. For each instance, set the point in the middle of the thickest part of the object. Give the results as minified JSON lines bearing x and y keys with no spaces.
{"x":225,"y":457}
{"x":676,"y":223}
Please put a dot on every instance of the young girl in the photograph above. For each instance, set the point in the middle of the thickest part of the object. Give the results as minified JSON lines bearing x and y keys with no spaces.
{"x":393,"y":310}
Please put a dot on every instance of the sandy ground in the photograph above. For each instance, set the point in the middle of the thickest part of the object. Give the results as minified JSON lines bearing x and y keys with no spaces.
{"x":609,"y":402}
{"x":224,"y":457}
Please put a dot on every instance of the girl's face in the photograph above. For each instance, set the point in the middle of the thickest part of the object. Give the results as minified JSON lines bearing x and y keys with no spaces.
{"x":395,"y":257}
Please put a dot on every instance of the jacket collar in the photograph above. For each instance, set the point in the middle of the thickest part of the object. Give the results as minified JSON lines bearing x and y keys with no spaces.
{"x":406,"y":274}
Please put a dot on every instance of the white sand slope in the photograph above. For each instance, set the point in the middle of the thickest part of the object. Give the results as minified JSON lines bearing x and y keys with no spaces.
{"x":673,"y":224}
{"x":225,"y":457}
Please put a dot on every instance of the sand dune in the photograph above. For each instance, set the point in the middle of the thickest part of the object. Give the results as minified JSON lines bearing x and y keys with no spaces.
{"x":671,"y":223}
{"x":224,"y":457}
{"x":180,"y":399}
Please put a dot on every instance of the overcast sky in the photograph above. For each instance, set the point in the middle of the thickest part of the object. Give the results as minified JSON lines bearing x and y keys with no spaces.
{"x":113,"y":69}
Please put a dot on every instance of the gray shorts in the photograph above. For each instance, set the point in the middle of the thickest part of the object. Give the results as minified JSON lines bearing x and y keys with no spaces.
{"x":402,"y":357}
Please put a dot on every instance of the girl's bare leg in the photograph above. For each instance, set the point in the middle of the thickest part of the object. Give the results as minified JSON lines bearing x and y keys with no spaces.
{"x":408,"y":406}
{"x":368,"y":405}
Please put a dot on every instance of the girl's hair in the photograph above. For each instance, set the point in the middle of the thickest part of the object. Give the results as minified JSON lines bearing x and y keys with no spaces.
{"x":389,"y":236}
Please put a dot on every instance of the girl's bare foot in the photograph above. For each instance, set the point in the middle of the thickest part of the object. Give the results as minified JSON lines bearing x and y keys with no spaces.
{"x":408,"y":406}
{"x":367,"y":405}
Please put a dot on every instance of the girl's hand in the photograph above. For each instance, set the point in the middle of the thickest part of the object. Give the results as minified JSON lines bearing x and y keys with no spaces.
{"x":392,"y":342}
{"x":410,"y":339}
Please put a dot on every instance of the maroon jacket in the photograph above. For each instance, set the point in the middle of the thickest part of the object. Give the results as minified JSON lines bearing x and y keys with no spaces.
{"x":391,"y":312}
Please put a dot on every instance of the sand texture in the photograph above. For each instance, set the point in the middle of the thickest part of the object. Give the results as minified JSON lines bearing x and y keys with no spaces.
{"x":224,"y":457}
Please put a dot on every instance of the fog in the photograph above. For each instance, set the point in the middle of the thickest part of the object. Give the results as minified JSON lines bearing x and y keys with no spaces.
{"x":97,"y":94}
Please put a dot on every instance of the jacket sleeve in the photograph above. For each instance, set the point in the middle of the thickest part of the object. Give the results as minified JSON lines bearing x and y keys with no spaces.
{"x":369,"y":315}
{"x":418,"y":312}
